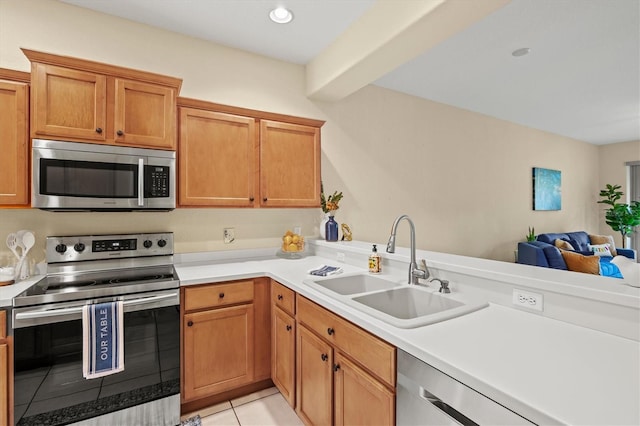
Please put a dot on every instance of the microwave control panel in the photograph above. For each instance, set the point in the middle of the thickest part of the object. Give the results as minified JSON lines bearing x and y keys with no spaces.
{"x":156,"y":180}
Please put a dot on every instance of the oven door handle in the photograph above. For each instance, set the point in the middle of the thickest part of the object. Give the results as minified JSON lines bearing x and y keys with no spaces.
{"x":75,"y":310}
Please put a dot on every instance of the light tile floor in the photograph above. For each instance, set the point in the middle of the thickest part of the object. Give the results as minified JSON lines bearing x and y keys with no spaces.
{"x":264,"y":408}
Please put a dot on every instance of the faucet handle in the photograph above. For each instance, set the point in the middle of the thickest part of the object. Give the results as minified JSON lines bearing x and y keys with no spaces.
{"x":424,"y":268}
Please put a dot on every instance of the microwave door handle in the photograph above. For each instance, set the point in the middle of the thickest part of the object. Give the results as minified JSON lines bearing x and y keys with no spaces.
{"x":140,"y":182}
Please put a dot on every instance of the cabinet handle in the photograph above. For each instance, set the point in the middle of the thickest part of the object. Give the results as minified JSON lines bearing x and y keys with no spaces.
{"x":265,"y":199}
{"x":288,"y":328}
{"x":330,"y":331}
{"x":119,"y":133}
{"x":324,"y":357}
{"x":221,"y":295}
{"x":99,"y":130}
{"x":336,"y":367}
{"x":190,"y":323}
{"x":280,"y":297}
{"x":251,"y":199}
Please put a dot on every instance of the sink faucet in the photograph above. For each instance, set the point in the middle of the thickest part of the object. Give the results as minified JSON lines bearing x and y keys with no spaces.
{"x":415,"y":273}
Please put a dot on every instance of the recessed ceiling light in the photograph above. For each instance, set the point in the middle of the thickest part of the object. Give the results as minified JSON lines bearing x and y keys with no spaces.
{"x":281,"y":15}
{"x":521,"y":52}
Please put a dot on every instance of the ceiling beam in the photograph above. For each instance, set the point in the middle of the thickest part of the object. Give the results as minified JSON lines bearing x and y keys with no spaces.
{"x":385,"y":37}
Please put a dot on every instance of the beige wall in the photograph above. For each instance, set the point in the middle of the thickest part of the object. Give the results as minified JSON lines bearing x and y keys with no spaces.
{"x":464,"y":178}
{"x":613,"y":171}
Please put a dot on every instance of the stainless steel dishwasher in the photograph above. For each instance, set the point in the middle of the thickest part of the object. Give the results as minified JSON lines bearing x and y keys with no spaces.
{"x":426,"y":396}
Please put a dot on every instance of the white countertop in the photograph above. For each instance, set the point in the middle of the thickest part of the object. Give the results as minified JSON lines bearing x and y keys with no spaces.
{"x":547,"y":370}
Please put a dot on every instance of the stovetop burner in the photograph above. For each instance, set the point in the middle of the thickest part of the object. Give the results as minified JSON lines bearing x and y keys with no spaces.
{"x":65,"y":283}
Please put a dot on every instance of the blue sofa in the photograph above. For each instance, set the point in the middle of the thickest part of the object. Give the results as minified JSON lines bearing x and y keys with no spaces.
{"x":543,"y":252}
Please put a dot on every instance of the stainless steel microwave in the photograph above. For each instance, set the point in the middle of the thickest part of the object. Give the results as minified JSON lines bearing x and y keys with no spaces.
{"x":81,"y":176}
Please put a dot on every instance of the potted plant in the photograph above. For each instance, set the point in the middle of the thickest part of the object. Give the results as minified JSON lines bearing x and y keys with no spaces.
{"x":620,"y":217}
{"x":531,"y":236}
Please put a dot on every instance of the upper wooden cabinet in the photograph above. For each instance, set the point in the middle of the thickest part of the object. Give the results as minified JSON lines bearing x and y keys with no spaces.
{"x":84,"y":101}
{"x":289,"y":165}
{"x":14,"y":138}
{"x":236,"y":157}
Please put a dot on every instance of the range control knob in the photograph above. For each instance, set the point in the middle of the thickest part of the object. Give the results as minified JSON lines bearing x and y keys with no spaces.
{"x":61,"y":248}
{"x":147,"y":244}
{"x":79,"y":247}
{"x":162,"y":243}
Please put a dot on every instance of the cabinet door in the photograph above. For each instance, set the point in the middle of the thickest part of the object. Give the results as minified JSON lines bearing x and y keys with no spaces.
{"x":283,"y":352}
{"x":14,"y":143}
{"x":262,"y":314}
{"x":68,"y":103}
{"x":218,"y":350}
{"x":217,"y":159}
{"x":145,"y":115}
{"x":359,"y":398}
{"x":4,"y":384}
{"x":289,"y":165}
{"x":314,"y":375}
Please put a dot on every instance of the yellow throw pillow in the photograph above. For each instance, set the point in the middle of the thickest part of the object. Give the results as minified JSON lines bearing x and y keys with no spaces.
{"x":563,"y":245}
{"x":577,"y":262}
{"x":604,"y":239}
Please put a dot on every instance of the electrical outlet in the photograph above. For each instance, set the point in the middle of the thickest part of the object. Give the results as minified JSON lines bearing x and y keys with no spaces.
{"x":340,"y":257}
{"x":527,"y":300}
{"x":229,"y":235}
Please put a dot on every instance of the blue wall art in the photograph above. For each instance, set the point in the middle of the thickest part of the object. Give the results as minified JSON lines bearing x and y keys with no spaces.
{"x":547,"y":194}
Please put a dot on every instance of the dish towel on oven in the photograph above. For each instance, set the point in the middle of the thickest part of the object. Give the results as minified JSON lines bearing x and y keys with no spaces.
{"x":102,"y":339}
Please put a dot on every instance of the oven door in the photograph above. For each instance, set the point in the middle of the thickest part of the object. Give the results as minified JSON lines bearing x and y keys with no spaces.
{"x":79,"y":176}
{"x":49,"y":385}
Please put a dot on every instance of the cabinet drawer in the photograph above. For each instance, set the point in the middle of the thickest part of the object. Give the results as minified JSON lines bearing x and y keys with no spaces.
{"x":283,"y":297}
{"x":216,"y":295}
{"x":376,"y":355}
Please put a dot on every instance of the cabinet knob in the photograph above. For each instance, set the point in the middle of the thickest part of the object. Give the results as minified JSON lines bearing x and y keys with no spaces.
{"x":330,"y":331}
{"x":324,"y":357}
{"x":336,"y":367}
{"x":251,"y":199}
{"x":119,"y":133}
{"x":99,"y":130}
{"x":265,"y":199}
{"x":221,"y":295}
{"x":280,"y":297}
{"x":189,"y":324}
{"x":288,"y":328}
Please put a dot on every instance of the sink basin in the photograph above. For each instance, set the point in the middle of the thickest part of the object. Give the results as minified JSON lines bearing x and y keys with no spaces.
{"x":407,"y":302}
{"x":353,"y":284}
{"x":409,"y":307}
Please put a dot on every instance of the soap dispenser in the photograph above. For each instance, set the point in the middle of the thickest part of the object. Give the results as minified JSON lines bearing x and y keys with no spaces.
{"x":375,"y":261}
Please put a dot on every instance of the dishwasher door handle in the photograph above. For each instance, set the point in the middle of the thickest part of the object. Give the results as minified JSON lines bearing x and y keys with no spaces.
{"x":445,"y":408}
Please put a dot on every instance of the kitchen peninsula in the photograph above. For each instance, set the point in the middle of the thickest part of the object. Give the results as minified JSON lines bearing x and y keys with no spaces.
{"x":537,"y":365}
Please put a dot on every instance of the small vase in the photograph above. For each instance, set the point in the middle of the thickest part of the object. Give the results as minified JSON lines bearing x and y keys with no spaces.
{"x":331,"y":229}
{"x":323,"y":223}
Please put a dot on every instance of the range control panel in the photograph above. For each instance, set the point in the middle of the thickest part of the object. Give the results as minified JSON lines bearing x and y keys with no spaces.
{"x":96,"y":247}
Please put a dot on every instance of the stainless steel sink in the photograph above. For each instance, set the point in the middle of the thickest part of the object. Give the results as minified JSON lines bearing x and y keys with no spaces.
{"x":408,"y":302}
{"x":354,"y":284}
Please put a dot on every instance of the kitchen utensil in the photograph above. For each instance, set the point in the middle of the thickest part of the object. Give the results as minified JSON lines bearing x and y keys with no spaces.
{"x":28,"y":240}
{"x":12,"y":243}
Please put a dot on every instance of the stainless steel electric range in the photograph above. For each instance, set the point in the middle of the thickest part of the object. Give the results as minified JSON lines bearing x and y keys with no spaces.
{"x":47,"y":324}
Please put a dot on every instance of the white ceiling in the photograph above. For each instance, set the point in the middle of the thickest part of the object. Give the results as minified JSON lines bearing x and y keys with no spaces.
{"x":581,"y":79}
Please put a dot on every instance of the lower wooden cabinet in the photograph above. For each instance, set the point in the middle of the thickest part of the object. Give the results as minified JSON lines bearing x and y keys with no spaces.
{"x":283,"y":354}
{"x":6,"y":373}
{"x":359,"y":398}
{"x":344,"y":375}
{"x":218,"y":350}
{"x":225,"y":337}
{"x":314,"y":401}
